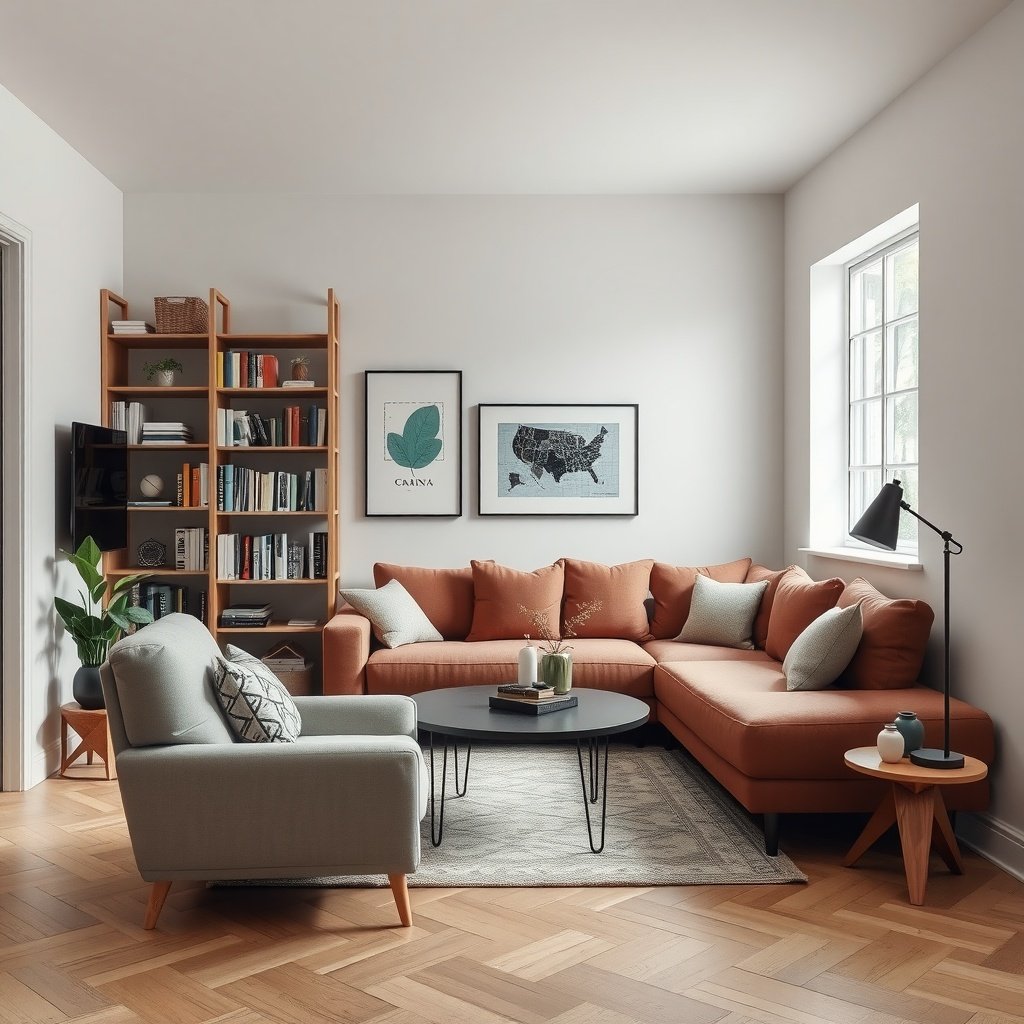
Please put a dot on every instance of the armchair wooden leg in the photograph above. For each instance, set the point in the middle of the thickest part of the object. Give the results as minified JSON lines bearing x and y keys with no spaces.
{"x":400,"y":890}
{"x":157,"y":895}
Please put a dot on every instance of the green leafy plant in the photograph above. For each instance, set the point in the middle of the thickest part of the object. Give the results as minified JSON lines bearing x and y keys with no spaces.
{"x":418,"y":444}
{"x":165,"y":365}
{"x":93,"y":633}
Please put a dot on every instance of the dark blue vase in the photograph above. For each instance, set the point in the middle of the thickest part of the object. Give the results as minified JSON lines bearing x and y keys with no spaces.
{"x":911,"y":728}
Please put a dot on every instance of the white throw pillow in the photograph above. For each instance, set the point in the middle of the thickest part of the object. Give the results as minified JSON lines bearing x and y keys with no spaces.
{"x":722,"y":613}
{"x":257,"y":704}
{"x":820,"y":654}
{"x":394,"y":614}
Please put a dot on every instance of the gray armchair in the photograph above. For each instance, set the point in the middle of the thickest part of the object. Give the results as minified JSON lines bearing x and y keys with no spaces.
{"x":346,"y":799}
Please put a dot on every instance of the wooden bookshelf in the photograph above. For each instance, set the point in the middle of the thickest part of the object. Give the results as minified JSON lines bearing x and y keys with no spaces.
{"x":122,"y":380}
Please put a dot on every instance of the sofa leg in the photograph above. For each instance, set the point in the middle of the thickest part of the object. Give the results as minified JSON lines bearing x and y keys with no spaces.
{"x":771,"y":833}
{"x":157,"y":895}
{"x":400,"y":890}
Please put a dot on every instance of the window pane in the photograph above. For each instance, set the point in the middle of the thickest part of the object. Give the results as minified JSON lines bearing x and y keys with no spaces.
{"x":866,"y":366}
{"x":901,"y":282}
{"x":901,"y":356}
{"x":907,"y":476}
{"x":901,"y":428}
{"x":866,"y":297}
{"x":864,"y":485}
{"x":866,"y":433}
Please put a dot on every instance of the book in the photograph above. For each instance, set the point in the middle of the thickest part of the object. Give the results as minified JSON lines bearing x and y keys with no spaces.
{"x":517,"y":692}
{"x":532,"y":707}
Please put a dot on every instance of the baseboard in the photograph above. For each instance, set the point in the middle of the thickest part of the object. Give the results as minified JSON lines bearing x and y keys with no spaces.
{"x":995,"y":840}
{"x":45,"y":763}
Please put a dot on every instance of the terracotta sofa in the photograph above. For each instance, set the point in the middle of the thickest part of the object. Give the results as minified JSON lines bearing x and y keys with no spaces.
{"x":774,"y":750}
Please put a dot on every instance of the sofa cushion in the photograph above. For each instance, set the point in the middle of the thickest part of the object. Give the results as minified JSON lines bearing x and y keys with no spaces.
{"x":755,"y":574}
{"x":893,"y":643}
{"x":500,"y":594}
{"x":395,"y":616}
{"x":258,"y":707}
{"x":164,"y":677}
{"x":742,"y":710}
{"x":672,"y":590}
{"x":618,"y":665}
{"x":445,"y":595}
{"x":678,"y":650}
{"x":818,"y":656}
{"x":799,"y":600}
{"x":722,"y":613}
{"x":622,"y":591}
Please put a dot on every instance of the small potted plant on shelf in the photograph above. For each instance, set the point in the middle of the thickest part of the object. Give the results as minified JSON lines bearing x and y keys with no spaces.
{"x":300,"y":368}
{"x":556,"y":660}
{"x":163,"y":372}
{"x":95,"y":629}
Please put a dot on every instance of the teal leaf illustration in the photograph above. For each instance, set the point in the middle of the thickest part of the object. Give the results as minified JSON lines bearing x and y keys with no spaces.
{"x":418,"y":444}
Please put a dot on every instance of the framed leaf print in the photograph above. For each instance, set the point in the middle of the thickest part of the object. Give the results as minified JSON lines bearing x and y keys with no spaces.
{"x":414,"y":442}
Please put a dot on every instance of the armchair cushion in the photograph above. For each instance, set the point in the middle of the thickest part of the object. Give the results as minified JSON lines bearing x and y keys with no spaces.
{"x":258,"y":707}
{"x":164,"y":676}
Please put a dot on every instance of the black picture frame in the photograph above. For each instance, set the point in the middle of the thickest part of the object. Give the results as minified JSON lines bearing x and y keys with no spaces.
{"x":510,"y":484}
{"x":392,"y":399}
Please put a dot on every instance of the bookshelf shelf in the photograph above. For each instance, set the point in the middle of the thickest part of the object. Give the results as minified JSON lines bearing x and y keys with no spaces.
{"x":121,"y":381}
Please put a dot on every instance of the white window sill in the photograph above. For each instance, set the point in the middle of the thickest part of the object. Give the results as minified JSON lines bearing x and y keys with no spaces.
{"x":890,"y":559}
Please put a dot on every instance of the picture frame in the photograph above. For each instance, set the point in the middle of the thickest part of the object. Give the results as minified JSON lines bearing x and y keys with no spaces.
{"x":413,"y":443}
{"x":558,"y":460}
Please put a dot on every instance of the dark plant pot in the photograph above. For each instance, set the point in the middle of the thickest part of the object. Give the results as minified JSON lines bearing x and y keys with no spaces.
{"x":912,"y":729}
{"x":87,"y":689}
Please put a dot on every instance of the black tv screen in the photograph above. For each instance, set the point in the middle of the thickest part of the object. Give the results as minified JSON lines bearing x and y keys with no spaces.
{"x":99,"y":467}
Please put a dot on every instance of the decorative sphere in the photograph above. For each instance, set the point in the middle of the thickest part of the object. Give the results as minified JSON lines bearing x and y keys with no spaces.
{"x":152,"y":485}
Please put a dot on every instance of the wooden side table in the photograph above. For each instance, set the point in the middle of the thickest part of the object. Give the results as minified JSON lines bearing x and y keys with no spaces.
{"x":914,"y":803}
{"x":93,"y":730}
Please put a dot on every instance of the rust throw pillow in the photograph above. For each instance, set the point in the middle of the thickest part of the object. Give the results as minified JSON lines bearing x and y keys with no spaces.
{"x":445,"y":595}
{"x":672,"y":590}
{"x":500,"y":591}
{"x":799,"y":600}
{"x":893,"y":643}
{"x":756,"y":574}
{"x":622,"y":591}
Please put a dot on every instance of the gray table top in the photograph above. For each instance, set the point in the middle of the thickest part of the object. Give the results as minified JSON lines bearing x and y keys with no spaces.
{"x":463,"y":711}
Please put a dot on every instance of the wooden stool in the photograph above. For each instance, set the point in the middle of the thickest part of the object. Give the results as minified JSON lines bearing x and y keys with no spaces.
{"x":914,"y":803}
{"x":94,"y":731}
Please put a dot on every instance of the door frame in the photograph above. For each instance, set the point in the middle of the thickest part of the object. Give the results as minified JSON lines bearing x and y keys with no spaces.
{"x":16,"y":240}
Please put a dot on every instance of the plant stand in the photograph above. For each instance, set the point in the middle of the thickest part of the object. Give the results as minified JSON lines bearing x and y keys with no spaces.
{"x":93,"y":730}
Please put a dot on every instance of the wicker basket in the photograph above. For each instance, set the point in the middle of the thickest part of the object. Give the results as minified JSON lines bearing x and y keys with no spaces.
{"x":181,"y":314}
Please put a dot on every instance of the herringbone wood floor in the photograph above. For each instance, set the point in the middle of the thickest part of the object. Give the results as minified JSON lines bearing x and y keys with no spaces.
{"x":847,"y":948}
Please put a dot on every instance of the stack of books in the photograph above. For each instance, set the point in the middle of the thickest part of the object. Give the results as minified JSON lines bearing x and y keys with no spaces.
{"x":194,"y":486}
{"x":298,"y":383}
{"x":246,"y":616}
{"x":191,"y":548}
{"x":129,"y":417}
{"x":249,"y":490}
{"x":246,"y":370}
{"x":131,"y":327}
{"x":166,"y":432}
{"x":530,"y":700}
{"x":294,"y":427}
{"x":270,"y":556}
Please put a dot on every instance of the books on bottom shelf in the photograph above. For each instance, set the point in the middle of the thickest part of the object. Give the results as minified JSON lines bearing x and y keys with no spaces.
{"x":161,"y":599}
{"x":271,"y":556}
{"x":246,"y":616}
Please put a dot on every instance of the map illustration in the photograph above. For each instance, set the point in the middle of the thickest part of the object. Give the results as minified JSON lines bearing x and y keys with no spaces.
{"x":558,"y":460}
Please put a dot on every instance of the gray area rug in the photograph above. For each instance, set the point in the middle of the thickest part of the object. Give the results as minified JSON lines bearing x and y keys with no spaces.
{"x":521,"y":823}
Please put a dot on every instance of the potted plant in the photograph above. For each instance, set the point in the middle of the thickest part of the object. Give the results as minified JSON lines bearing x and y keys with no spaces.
{"x":300,"y":368}
{"x":163,"y":371}
{"x":93,"y":633}
{"x":556,"y":661}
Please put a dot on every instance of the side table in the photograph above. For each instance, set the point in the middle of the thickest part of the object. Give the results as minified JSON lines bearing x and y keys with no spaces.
{"x":914,"y":803}
{"x":93,"y":730}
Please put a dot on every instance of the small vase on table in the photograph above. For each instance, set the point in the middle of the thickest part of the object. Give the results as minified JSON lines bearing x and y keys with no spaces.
{"x":557,"y":671}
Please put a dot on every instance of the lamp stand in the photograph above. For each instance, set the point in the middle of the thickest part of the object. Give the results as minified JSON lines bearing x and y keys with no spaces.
{"x":931,"y":757}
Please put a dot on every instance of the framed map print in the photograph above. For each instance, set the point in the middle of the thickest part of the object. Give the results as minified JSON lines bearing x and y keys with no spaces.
{"x":414,"y":442}
{"x":558,"y":460}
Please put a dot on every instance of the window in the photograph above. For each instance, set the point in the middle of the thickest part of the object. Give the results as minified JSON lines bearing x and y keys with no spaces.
{"x":882,"y":379}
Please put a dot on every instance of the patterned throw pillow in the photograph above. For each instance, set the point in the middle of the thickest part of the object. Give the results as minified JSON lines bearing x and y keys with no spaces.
{"x":820,"y":654}
{"x":258,"y":707}
{"x":722,"y":614}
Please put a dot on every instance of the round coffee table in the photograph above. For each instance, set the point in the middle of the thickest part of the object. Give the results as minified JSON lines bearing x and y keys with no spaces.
{"x":462,"y":713}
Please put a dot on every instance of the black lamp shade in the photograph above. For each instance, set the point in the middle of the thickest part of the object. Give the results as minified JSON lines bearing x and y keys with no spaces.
{"x":880,"y":524}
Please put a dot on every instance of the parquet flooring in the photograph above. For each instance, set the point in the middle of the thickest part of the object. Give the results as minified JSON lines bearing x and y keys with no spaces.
{"x":847,"y":948}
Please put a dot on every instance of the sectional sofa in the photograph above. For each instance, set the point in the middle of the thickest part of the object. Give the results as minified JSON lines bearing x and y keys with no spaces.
{"x":776,"y":751}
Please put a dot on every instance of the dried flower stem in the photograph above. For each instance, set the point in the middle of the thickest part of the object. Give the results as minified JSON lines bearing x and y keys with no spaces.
{"x":556,"y":644}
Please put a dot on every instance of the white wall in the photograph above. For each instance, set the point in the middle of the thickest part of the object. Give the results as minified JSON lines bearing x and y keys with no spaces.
{"x":75,"y":218}
{"x":674,"y":303}
{"x":954,"y":143}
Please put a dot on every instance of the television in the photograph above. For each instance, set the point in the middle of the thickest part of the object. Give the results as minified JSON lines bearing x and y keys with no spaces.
{"x":99,"y":473}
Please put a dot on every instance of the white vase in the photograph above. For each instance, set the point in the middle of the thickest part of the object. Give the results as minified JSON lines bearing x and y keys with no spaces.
{"x":528,"y":666}
{"x":890,"y":743}
{"x":165,"y":378}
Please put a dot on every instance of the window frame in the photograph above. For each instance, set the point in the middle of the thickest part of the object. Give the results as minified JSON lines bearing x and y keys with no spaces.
{"x":892,"y":244}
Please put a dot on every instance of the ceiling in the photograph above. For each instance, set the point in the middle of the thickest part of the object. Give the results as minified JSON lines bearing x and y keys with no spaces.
{"x":467,"y":96}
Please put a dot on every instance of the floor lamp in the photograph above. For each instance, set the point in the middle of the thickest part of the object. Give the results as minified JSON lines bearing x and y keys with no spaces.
{"x":880,"y":527}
